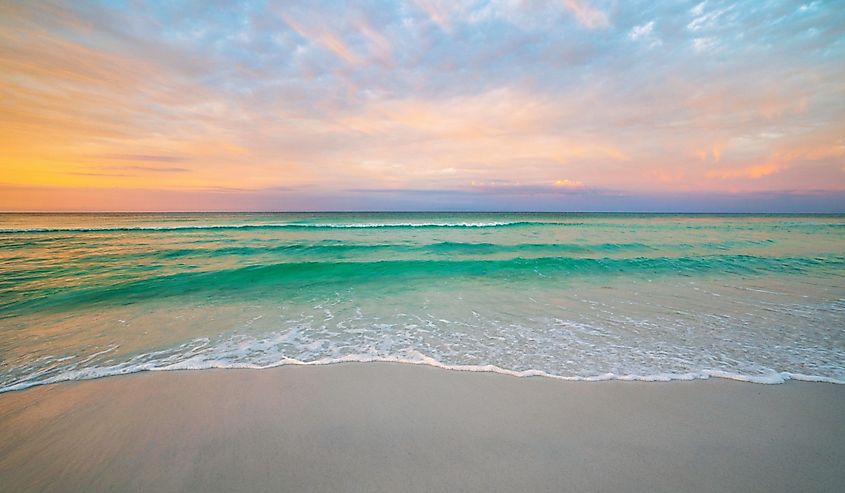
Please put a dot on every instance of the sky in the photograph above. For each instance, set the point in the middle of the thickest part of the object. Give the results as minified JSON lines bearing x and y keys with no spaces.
{"x":551,"y":105}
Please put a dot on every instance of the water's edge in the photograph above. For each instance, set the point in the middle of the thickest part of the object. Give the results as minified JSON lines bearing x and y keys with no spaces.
{"x":775,"y":378}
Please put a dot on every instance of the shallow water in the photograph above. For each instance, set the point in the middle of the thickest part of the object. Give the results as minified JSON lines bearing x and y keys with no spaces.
{"x":582,"y":296}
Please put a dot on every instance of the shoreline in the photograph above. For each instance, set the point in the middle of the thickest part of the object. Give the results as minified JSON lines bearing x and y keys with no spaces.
{"x":391,"y":426}
{"x":774,"y":378}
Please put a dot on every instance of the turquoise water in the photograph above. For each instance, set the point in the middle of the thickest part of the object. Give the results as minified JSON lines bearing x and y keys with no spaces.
{"x":580,"y":296}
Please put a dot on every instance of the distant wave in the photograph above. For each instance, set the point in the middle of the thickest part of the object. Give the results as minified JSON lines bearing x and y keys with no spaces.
{"x":444,"y":248}
{"x":211,"y":248}
{"x":645,"y":225}
{"x":327,"y":275}
{"x":191,"y":227}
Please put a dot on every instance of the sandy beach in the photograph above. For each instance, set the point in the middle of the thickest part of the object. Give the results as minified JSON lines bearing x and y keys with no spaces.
{"x":394,"y":427}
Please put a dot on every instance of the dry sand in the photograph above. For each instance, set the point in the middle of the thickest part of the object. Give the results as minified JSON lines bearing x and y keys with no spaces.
{"x":393,"y":427}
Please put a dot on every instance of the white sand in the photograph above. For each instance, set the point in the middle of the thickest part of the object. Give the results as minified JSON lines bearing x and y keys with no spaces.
{"x":392,"y":427}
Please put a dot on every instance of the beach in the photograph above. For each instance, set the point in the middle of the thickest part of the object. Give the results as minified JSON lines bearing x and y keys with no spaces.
{"x":422,"y":246}
{"x":401,"y":427}
{"x":422,"y":352}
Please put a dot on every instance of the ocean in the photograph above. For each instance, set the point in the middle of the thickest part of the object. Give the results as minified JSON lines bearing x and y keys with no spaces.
{"x":758,"y":298}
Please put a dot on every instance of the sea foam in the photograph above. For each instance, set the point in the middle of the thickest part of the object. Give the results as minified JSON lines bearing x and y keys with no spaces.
{"x":196,"y":227}
{"x":774,"y":377}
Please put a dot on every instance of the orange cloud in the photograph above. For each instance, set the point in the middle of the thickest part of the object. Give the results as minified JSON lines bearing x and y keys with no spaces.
{"x":380,"y":46}
{"x":320,"y":33}
{"x":753,"y":172}
{"x":439,"y":11}
{"x":586,"y":14}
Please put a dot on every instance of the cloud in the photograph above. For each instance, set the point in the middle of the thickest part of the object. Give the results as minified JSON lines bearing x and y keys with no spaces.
{"x":587,"y":14}
{"x":645,"y":32}
{"x":642,"y":31}
{"x":753,"y":172}
{"x":315,"y":30}
{"x":704,"y":20}
{"x":567,"y":183}
{"x":326,"y":96}
{"x":440,"y":11}
{"x":703,"y":44}
{"x":153,"y":169}
{"x":153,"y":158}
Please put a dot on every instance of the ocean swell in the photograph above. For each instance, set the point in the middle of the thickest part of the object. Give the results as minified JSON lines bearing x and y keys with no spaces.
{"x":326,"y":274}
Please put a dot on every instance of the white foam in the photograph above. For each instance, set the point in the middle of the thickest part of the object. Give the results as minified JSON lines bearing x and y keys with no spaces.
{"x":279,"y":225}
{"x":414,"y":358}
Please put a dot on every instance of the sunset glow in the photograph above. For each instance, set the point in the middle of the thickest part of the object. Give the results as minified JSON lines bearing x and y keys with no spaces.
{"x":490,"y":105}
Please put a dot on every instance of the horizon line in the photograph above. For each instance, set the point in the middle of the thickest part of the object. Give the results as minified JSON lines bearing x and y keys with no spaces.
{"x":421,"y":211}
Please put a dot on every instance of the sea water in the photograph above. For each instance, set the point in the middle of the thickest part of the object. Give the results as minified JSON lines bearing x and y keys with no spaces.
{"x":574,"y":296}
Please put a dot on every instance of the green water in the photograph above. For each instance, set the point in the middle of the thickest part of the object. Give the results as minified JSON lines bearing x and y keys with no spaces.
{"x":589,"y":296}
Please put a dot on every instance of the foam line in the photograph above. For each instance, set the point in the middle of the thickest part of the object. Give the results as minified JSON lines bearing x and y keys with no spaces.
{"x":286,"y":226}
{"x":196,"y":363}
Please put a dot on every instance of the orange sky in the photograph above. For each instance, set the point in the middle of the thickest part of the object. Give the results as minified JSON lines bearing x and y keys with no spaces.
{"x":304,"y":105}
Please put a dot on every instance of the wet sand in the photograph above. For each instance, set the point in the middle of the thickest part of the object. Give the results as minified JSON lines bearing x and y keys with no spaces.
{"x":394,"y":427}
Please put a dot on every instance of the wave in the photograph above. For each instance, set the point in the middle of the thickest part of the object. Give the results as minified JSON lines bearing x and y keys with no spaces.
{"x":492,"y":248}
{"x":444,"y":248}
{"x":416,"y":358}
{"x":211,"y":249}
{"x":304,"y":276}
{"x":199,"y":227}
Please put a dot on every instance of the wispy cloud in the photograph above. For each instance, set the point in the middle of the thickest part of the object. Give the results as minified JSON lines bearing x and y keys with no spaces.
{"x":153,"y":169}
{"x":587,"y":14}
{"x":642,"y":31}
{"x":151,"y":158}
{"x":754,"y":172}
